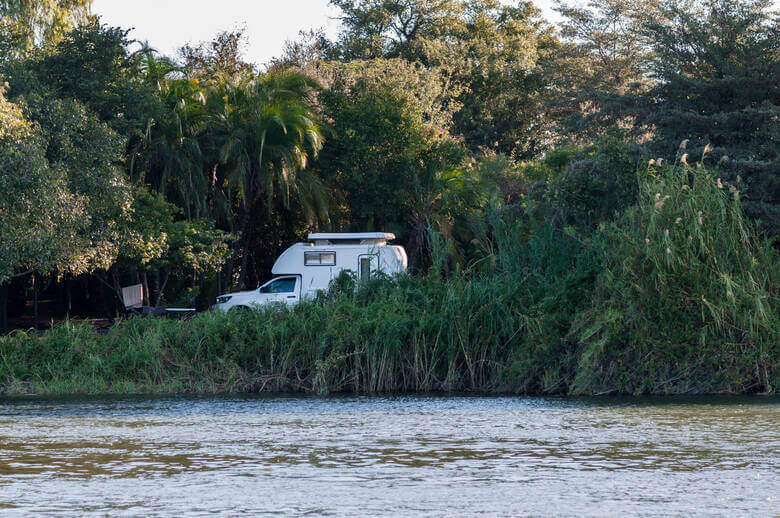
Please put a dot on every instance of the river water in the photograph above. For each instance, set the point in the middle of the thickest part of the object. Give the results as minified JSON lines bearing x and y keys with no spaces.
{"x":398,"y":456}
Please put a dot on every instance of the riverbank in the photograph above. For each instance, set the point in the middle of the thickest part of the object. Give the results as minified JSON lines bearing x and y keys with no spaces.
{"x":410,"y":335}
{"x":677,"y":296}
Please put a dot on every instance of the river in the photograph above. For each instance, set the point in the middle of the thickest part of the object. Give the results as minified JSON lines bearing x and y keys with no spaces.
{"x":394,"y":456}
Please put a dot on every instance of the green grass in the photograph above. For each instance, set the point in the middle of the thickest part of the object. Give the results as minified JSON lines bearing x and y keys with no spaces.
{"x":687,"y":300}
{"x":404,"y":334}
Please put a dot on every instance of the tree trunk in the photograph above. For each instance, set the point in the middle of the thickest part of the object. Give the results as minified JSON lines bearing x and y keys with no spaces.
{"x":243,"y":245}
{"x":229,"y":274}
{"x":35,"y":302}
{"x":3,"y":308}
{"x":68,"y":296}
{"x":166,"y":274}
{"x":118,"y":290}
{"x":244,"y":265}
{"x":157,"y":292}
{"x":145,"y":283}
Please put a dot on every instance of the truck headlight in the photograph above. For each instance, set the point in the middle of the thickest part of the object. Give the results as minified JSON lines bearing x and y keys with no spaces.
{"x":223,"y":299}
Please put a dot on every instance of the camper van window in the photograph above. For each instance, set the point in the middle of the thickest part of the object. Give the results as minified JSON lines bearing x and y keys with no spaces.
{"x":319,"y":258}
{"x":284,"y":285}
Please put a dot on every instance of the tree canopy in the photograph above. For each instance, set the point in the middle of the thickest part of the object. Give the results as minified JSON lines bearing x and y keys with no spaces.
{"x":716,"y":87}
{"x":25,"y":24}
{"x":38,"y":213}
{"x":489,"y":52}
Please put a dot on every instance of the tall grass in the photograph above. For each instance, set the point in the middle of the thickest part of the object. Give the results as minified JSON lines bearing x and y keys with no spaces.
{"x":688,"y":298}
{"x":675,"y":296}
{"x":405,"y":334}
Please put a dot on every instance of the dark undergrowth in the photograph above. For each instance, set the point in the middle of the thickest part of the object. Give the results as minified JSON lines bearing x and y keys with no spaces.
{"x":676,"y":295}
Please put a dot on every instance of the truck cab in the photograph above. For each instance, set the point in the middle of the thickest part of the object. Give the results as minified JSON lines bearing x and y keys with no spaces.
{"x":307,"y":268}
{"x":285,"y":290}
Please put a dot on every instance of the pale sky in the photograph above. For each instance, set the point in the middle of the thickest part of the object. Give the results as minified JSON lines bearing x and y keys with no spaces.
{"x":169,"y":24}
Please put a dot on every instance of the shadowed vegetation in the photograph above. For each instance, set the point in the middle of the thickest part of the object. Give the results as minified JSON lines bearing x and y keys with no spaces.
{"x":673,"y":297}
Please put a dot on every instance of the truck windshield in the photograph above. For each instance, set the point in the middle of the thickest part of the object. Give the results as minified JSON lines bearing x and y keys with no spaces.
{"x":284,"y":285}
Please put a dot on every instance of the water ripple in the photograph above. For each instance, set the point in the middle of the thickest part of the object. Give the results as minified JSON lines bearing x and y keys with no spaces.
{"x":423,"y":456}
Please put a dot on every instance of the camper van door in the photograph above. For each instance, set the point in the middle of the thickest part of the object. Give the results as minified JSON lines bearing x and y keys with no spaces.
{"x":367,"y":263}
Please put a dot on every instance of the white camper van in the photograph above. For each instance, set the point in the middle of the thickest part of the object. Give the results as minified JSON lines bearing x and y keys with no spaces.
{"x":306,"y":268}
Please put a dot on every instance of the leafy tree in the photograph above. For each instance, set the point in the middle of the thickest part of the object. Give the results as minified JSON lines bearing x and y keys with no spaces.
{"x":170,"y":158}
{"x":570,"y":186}
{"x":390,"y":160}
{"x":218,"y":60}
{"x":496,"y":55}
{"x":25,"y":24}
{"x":426,"y":91}
{"x":235,"y":149}
{"x":442,"y":195}
{"x":93,"y":65}
{"x":390,"y":28}
{"x":488,"y":50}
{"x":716,"y":65}
{"x":12,"y":39}
{"x":159,"y":243}
{"x":599,"y":182}
{"x":264,"y":133}
{"x":376,"y":149}
{"x":89,"y":153}
{"x":304,"y":53}
{"x":603,"y":50}
{"x":39,"y":216}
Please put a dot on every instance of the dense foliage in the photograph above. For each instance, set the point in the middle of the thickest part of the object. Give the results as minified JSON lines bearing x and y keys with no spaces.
{"x":674,"y":297}
{"x":715,"y":67}
{"x":587,"y":208}
{"x":25,"y":24}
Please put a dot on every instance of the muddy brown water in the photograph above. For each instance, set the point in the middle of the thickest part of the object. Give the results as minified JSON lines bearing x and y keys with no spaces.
{"x":396,"y":456}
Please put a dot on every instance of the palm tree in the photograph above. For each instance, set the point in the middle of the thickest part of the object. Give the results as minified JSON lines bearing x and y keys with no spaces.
{"x":264,"y":132}
{"x":168,"y":158}
{"x":441,"y":191}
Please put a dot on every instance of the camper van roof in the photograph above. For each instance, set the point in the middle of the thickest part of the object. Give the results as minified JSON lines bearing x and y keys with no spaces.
{"x":352,"y":236}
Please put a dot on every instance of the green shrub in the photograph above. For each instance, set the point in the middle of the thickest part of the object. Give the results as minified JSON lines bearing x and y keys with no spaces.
{"x":596,"y":184}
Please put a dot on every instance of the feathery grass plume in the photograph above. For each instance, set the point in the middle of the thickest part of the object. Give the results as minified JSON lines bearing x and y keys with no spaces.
{"x":703,"y":319}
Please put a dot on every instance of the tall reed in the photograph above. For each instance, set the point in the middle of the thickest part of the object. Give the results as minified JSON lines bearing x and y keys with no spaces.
{"x":688,"y":298}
